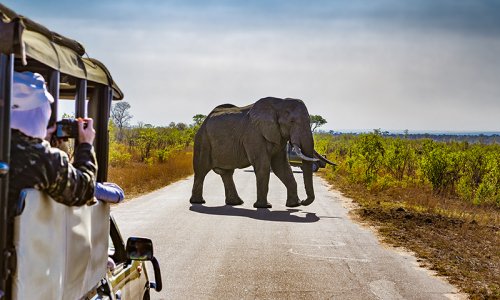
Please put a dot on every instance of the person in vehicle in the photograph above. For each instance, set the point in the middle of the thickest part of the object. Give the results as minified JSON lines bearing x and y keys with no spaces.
{"x":34,"y":163}
{"x":104,"y":191}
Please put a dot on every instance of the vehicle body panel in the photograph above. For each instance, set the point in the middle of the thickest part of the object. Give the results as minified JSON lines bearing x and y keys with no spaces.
{"x":61,"y":250}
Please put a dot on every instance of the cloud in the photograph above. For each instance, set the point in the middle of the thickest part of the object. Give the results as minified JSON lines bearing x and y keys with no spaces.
{"x":397,"y":81}
{"x":420,"y":65}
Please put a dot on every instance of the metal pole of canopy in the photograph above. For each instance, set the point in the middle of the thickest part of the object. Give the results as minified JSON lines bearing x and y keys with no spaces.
{"x":54,"y":79}
{"x":99,"y":108}
{"x":6,"y":73}
{"x":103,"y":140}
{"x":81,"y":96}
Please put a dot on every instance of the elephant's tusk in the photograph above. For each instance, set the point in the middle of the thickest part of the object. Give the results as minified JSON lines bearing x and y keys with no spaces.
{"x":297,"y":150}
{"x":321,"y":157}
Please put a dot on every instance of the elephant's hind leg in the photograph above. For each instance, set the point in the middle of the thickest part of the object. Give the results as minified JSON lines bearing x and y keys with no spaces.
{"x":262,"y":173}
{"x":232,"y":197}
{"x":197,"y":193}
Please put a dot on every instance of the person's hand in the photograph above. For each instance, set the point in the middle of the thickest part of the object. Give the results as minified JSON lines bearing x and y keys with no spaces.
{"x":50,"y":132}
{"x":53,"y":140}
{"x":86,"y":135}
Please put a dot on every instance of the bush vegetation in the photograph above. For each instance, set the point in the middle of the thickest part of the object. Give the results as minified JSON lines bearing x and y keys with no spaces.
{"x":143,"y":158}
{"x":469,"y":172}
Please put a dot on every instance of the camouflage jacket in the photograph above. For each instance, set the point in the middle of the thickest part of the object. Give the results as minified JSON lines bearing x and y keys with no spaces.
{"x":35,"y":164}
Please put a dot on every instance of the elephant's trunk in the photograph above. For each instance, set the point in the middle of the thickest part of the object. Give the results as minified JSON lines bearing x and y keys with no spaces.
{"x":306,"y":152}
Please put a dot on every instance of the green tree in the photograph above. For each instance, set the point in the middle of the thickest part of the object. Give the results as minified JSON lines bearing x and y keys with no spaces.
{"x":370,"y":150}
{"x":198,"y":119}
{"x":148,"y":137}
{"x":441,"y":165}
{"x":317,"y":121}
{"x":399,"y":157}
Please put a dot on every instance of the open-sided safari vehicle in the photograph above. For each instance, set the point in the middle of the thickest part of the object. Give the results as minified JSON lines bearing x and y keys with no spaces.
{"x":49,"y":250}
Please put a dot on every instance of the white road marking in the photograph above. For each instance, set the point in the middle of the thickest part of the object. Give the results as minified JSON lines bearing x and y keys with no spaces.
{"x":333,"y":244}
{"x":365,"y":260}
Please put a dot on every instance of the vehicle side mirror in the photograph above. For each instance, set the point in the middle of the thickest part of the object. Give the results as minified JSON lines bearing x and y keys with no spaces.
{"x":142,"y":249}
{"x":139,"y":248}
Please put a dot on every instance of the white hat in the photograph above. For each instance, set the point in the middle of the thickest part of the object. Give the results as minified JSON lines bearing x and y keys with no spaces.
{"x":30,"y":108}
{"x":29,"y":91}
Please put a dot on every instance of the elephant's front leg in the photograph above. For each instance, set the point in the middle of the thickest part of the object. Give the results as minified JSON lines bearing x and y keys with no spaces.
{"x":232,"y":197}
{"x":283,"y":171}
{"x":262,"y":174}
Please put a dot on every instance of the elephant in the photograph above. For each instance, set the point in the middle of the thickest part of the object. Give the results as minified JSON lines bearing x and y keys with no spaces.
{"x":233,"y":137}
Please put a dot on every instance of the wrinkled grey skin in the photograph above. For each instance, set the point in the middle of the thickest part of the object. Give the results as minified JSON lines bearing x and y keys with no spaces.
{"x":234,"y":137}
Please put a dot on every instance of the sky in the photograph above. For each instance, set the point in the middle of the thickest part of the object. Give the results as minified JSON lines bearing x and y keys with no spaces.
{"x":427,"y":65}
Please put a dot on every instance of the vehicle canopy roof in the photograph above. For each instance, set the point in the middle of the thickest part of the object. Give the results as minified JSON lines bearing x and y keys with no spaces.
{"x":29,"y":40}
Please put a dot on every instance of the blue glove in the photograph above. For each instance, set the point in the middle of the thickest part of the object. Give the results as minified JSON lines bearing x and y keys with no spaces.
{"x":109,"y":192}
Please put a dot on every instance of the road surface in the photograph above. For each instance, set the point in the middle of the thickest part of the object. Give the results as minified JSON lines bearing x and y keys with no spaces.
{"x":214,"y":251}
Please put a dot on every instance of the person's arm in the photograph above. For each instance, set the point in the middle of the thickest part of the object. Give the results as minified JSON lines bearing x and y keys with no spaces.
{"x":72,"y":184}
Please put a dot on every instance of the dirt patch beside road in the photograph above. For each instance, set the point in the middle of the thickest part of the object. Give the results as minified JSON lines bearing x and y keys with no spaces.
{"x":461,"y":248}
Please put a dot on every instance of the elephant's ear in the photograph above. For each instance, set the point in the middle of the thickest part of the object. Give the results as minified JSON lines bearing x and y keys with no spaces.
{"x":264,"y":116}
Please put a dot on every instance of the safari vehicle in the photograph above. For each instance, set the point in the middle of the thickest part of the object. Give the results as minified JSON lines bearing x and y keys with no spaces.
{"x":295,"y":159}
{"x":49,"y":250}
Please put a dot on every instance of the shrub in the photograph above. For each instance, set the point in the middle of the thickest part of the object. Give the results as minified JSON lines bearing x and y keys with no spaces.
{"x":488,"y":191}
{"x":118,"y":154}
{"x":468,"y":171}
{"x":441,"y":167}
{"x":369,"y":154}
{"x":162,"y":155}
{"x":399,"y":158}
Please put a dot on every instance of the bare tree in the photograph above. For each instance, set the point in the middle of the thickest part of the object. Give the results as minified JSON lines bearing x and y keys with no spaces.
{"x":121,"y":116}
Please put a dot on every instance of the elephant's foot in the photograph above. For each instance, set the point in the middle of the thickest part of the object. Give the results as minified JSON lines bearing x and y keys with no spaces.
{"x":234,"y":201}
{"x":307,"y":201}
{"x":293,"y":202}
{"x":197,"y":200}
{"x":262,"y":204}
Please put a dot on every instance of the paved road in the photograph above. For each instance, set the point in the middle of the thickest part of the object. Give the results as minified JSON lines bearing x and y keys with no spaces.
{"x":316,"y":252}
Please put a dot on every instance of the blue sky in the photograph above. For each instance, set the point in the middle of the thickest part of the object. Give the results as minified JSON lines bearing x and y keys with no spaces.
{"x":361,"y":64}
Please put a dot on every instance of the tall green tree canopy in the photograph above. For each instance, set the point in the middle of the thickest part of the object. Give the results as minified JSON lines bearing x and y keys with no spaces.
{"x":317,"y":121}
{"x":198,"y":119}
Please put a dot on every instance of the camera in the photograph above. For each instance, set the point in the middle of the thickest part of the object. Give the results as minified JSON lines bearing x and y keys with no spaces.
{"x":68,"y":128}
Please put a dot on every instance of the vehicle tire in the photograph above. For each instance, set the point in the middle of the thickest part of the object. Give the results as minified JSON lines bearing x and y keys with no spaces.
{"x":315,"y":167}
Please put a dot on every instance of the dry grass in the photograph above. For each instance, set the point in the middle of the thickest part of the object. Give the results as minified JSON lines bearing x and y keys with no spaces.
{"x":457,"y":239}
{"x":139,"y":178}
